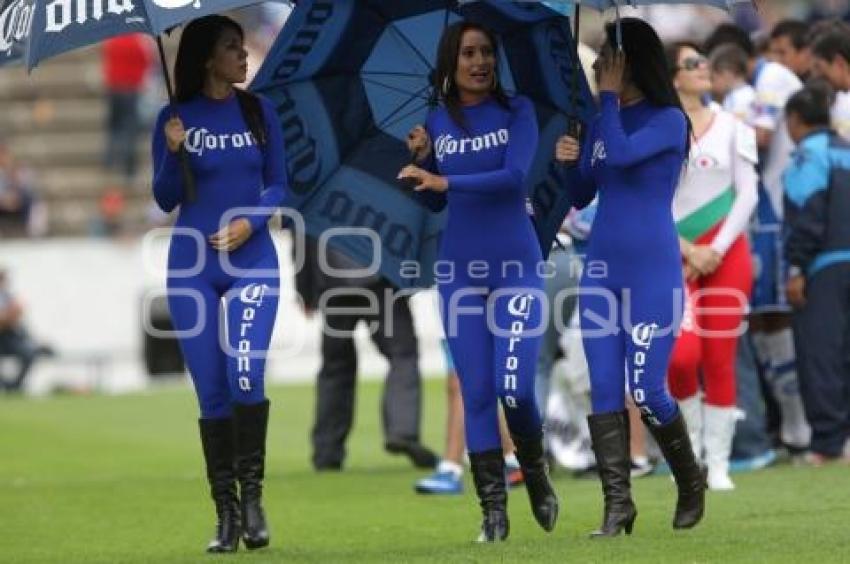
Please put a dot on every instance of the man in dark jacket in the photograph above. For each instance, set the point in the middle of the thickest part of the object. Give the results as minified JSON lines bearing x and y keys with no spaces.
{"x":15,"y":340}
{"x":817,"y":248}
{"x":345,"y":301}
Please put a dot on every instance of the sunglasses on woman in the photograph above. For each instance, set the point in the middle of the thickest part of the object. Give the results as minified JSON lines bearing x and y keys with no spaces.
{"x":693,"y":63}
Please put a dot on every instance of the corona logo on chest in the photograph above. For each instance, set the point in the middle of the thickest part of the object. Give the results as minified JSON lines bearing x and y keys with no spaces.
{"x":446,"y":144}
{"x":200,"y":140}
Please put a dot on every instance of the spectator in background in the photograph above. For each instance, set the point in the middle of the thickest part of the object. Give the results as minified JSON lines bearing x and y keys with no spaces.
{"x":770,"y":323}
{"x":714,"y":202}
{"x":729,"y":81}
{"x":789,"y":47}
{"x":20,"y":211}
{"x":15,"y":340}
{"x":821,"y":9}
{"x":344,"y":301}
{"x":817,"y":247}
{"x":831,"y":59}
{"x":821,"y":68}
{"x":112,"y":206}
{"x":127,"y":60}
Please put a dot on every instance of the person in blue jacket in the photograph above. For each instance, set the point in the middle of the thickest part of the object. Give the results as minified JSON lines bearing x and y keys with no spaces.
{"x":817,"y":247}
{"x":631,"y":296}
{"x":221,"y":250}
{"x":473,"y":155}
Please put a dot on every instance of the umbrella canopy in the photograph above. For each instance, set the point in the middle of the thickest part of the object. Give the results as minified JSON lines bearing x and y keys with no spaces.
{"x":351,"y":77}
{"x":15,"y":20}
{"x":60,"y":26}
{"x":602,"y":5}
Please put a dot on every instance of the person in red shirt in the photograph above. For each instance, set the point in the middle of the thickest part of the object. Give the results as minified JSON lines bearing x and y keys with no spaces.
{"x":127,"y":60}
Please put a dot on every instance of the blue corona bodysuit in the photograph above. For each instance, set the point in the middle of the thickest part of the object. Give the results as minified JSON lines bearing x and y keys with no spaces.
{"x":631,"y":289}
{"x":231,"y":171}
{"x":492,"y":249}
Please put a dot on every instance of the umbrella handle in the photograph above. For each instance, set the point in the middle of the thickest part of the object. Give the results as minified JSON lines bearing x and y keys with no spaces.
{"x":574,"y":125}
{"x":619,"y":27}
{"x":189,"y":187}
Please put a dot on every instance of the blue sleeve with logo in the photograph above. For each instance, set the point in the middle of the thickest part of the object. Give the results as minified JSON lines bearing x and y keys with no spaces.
{"x":664,"y":132}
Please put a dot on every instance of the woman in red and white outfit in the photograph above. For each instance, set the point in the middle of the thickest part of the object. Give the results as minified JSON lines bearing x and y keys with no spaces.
{"x":713,"y":205}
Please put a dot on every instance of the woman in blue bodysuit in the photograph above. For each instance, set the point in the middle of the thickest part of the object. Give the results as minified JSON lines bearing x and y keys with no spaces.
{"x":221,"y":248}
{"x":473,"y":155}
{"x":631,"y":291}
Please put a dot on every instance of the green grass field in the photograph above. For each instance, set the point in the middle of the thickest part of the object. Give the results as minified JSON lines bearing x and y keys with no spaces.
{"x":102,"y":479}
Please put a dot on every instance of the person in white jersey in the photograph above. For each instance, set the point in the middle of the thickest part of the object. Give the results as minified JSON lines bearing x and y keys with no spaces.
{"x":713,"y":205}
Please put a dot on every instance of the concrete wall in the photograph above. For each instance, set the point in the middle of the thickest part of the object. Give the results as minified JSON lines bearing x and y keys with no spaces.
{"x":84,"y":297}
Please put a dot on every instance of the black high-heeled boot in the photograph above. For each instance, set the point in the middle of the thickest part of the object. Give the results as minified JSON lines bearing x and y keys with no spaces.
{"x":544,"y":501}
{"x":217,"y":442}
{"x":251,"y":424}
{"x":488,"y":473}
{"x":609,"y":433}
{"x":675,"y":444}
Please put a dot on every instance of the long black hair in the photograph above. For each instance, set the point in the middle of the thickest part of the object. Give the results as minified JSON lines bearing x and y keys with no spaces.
{"x":197,"y":44}
{"x":647,"y":66}
{"x":445,"y":86}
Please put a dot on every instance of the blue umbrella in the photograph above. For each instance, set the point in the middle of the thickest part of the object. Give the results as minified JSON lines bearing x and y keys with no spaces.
{"x":15,"y":20}
{"x":63,"y":25}
{"x":351,"y":77}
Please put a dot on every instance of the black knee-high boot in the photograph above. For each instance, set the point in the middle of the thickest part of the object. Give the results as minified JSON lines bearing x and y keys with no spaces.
{"x":488,"y":473}
{"x":544,"y":502}
{"x":251,"y":423}
{"x":610,"y":435}
{"x":675,"y":444}
{"x":217,"y":441}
